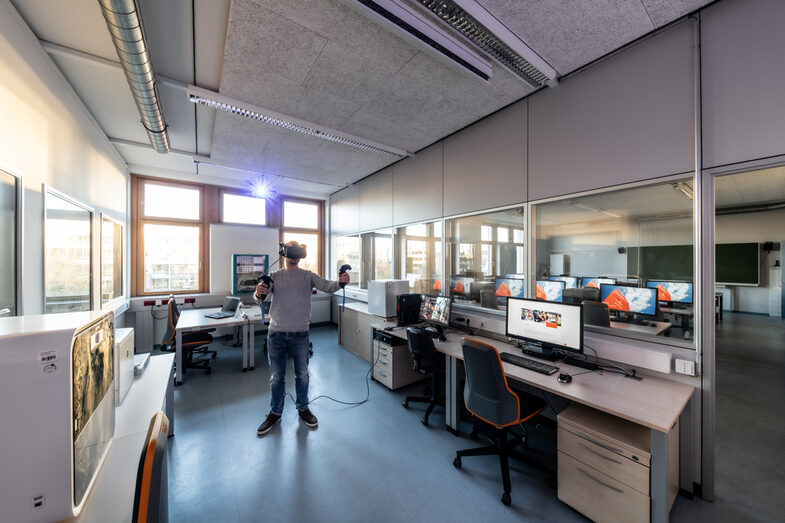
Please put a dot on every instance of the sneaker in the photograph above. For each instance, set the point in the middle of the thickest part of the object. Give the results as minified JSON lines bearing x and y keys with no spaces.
{"x":269,"y":423}
{"x":308,"y":418}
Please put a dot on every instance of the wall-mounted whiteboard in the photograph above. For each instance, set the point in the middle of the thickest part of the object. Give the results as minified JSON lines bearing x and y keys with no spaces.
{"x":228,"y":239}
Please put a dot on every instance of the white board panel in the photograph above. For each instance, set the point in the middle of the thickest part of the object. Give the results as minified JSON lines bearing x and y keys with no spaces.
{"x":228,"y":239}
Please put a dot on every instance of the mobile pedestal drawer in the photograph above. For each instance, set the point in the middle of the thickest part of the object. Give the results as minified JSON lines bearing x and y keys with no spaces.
{"x":604,"y":465}
{"x":392,"y":361}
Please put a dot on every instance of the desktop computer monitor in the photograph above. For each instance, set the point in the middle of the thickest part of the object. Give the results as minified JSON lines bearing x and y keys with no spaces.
{"x":673,"y":291}
{"x":550,"y":290}
{"x":460,"y":285}
{"x":545,"y":325}
{"x":596,"y":282}
{"x":509,"y":287}
{"x":639,"y":300}
{"x":570,"y":282}
{"x":435,"y":310}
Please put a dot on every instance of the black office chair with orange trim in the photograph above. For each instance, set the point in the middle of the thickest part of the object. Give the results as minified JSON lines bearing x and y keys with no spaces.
{"x":495,"y":408}
{"x":196,"y":355}
{"x":151,"y":496}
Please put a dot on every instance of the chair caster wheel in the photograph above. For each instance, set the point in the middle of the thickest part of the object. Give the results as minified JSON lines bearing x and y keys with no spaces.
{"x":506,"y":499}
{"x":424,"y":421}
{"x":456,"y":463}
{"x":405,"y":404}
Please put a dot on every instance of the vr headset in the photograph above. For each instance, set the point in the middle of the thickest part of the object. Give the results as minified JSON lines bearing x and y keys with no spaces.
{"x":295,"y":252}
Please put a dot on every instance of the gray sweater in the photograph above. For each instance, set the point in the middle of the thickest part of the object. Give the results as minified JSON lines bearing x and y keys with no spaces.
{"x":290,"y":299}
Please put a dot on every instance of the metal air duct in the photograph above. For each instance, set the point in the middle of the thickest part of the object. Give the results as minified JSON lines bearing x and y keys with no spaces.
{"x":125,"y":26}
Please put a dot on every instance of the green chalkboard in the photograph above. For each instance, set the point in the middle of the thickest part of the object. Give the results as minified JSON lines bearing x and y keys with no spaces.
{"x":736,"y":263}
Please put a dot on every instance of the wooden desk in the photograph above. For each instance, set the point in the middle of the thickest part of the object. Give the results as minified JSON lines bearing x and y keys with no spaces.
{"x":652,"y":402}
{"x":655,"y":330}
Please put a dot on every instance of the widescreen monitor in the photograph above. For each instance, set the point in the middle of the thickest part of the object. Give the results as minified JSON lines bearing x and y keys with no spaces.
{"x":460,"y":285}
{"x":596,"y":282}
{"x":673,"y":291}
{"x":640,"y":300}
{"x":435,"y":310}
{"x":570,"y":282}
{"x":550,"y":290}
{"x":509,"y":287}
{"x":547,"y":324}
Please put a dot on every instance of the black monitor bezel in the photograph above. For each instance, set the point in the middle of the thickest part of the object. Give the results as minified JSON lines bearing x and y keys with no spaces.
{"x":674,"y":281}
{"x":642,"y":314}
{"x":433,"y":322}
{"x":541,"y":343}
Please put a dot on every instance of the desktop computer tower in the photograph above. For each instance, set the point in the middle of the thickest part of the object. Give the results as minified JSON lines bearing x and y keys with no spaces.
{"x":57,"y":406}
{"x":408,"y":309}
{"x":382,"y":294}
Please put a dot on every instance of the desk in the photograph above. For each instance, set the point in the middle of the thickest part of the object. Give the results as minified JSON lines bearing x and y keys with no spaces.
{"x":658,"y":328}
{"x":653,"y":403}
{"x":195,"y":320}
{"x":684,"y":313}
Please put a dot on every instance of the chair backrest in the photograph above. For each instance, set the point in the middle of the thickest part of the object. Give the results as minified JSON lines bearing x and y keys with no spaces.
{"x":151,"y":497}
{"x":174,"y":314}
{"x":424,"y":354}
{"x":486,"y":393}
{"x":596,"y":313}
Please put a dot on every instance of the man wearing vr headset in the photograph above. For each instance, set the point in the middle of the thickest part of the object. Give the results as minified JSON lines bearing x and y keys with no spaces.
{"x":289,"y":292}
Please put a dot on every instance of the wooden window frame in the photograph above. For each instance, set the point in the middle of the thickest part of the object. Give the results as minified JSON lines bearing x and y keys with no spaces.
{"x":319,"y":230}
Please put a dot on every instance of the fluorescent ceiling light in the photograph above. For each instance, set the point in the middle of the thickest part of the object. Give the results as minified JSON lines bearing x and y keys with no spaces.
{"x":224,"y":103}
{"x":593,"y":209}
{"x":480,"y":27}
{"x":208,"y":161}
{"x":420,"y":29}
{"x":684,"y":188}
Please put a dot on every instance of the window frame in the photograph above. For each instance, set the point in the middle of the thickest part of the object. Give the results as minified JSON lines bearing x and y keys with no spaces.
{"x":319,"y":230}
{"x":123,"y":283}
{"x":18,"y":240}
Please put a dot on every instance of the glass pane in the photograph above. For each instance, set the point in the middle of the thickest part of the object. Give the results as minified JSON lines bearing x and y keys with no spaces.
{"x":68,"y":247}
{"x":166,"y":201}
{"x":111,"y":260}
{"x":421,"y":252}
{"x":243,"y":209}
{"x":518,"y":236}
{"x":347,"y":249}
{"x":300,"y":215}
{"x":624,"y":249}
{"x":382,"y":255}
{"x":7,"y":244}
{"x":484,"y":270}
{"x":311,"y":241}
{"x":171,"y":258}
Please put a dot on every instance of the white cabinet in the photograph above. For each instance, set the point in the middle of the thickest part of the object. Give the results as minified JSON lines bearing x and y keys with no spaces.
{"x":393,"y":366}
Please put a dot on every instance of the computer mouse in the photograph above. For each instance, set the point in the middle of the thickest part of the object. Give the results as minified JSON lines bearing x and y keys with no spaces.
{"x":564,"y":378}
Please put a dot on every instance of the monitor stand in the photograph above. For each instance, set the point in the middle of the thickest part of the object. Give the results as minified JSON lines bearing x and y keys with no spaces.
{"x":538,"y":352}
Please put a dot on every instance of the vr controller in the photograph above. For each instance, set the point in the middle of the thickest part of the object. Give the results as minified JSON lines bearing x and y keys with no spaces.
{"x":295,"y":252}
{"x":264,"y":278}
{"x":345,"y":267}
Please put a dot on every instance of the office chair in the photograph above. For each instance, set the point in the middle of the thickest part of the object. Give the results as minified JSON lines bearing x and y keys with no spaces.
{"x":194,"y":343}
{"x":427,"y":360}
{"x":495,"y":408}
{"x":596,"y":313}
{"x":488,"y":298}
{"x":151,"y":497}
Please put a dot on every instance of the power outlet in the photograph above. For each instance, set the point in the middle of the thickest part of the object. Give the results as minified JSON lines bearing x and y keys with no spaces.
{"x":149,"y":303}
{"x":190,"y":300}
{"x":685,"y":367}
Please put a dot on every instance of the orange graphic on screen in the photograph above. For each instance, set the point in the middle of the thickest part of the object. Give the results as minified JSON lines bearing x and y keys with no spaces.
{"x":617,"y":301}
{"x":541,"y":293}
{"x":459,"y":287}
{"x":437,"y":285}
{"x":663,"y":294}
{"x":593,"y":283}
{"x":503,"y":290}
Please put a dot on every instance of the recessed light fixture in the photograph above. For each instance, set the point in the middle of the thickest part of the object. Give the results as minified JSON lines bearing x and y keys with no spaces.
{"x":215,"y":100}
{"x":684,"y":188}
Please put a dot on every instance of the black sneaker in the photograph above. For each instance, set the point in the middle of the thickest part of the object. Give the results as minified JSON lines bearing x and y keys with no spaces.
{"x":269,"y":423}
{"x":308,"y":418}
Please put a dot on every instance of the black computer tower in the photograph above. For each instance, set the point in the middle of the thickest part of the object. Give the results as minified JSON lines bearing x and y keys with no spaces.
{"x":408,"y":309}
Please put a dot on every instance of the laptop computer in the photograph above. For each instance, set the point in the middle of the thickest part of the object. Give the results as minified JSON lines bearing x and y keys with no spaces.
{"x":228,"y":309}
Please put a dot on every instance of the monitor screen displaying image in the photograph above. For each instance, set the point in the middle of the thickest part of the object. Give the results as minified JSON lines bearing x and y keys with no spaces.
{"x":672,"y":291}
{"x":460,"y":285}
{"x":509,"y":287}
{"x":570,"y":282}
{"x":550,"y":290}
{"x":554,"y":325}
{"x":640,"y":300}
{"x":435,"y":309}
{"x":596,"y":282}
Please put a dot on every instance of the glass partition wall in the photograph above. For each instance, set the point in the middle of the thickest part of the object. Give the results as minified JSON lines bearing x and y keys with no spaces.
{"x":626,"y":254}
{"x":420,"y":248}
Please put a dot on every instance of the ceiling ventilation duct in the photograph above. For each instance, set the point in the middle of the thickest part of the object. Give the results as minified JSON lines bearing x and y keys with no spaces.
{"x":125,"y":26}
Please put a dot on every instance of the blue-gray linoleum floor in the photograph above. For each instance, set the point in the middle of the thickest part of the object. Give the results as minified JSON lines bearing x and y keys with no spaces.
{"x":376,"y":462}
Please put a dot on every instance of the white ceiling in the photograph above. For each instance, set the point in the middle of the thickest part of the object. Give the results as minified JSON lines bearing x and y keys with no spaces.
{"x":323,"y":61}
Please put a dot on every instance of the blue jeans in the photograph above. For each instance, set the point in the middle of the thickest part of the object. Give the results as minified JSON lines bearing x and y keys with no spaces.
{"x":279,"y":346}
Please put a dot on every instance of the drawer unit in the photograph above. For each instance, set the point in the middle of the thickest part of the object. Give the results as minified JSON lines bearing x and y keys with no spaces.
{"x":393,"y":361}
{"x":604,"y":465}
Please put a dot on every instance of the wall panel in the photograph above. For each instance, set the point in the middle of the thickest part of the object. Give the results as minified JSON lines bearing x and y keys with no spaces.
{"x":376,"y":200}
{"x":417,"y":186}
{"x":345,"y":211}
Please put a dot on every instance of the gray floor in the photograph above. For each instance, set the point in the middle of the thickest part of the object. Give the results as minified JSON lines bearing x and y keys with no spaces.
{"x":377,"y":462}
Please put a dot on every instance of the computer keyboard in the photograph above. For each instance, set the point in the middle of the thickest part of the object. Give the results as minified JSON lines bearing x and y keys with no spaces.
{"x":528,"y":363}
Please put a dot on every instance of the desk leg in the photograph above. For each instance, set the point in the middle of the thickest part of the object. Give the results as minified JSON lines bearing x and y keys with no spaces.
{"x":178,"y":373}
{"x":660,"y":508}
{"x":170,"y":404}
{"x":243,"y":333}
{"x":451,"y":395}
{"x":251,"y":355}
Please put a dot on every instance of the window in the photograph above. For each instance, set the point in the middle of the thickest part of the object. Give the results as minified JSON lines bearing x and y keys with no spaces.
{"x":421,"y":254}
{"x":481,"y":257}
{"x":636,"y":243}
{"x":111,"y":260}
{"x":239,"y":208}
{"x":8,"y":243}
{"x":347,"y":250}
{"x":302,"y":222}
{"x":170,"y":237}
{"x":67,"y":254}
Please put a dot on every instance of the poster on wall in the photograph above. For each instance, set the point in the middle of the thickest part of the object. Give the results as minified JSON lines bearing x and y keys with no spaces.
{"x":246,"y":271}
